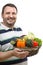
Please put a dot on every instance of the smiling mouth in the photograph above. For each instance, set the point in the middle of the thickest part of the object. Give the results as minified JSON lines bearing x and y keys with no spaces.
{"x":11,"y":18}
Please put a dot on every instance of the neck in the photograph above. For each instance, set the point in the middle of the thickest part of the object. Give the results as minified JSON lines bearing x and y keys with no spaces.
{"x":8,"y":25}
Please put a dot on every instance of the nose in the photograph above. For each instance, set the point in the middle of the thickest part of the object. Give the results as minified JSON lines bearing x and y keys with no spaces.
{"x":11,"y":15}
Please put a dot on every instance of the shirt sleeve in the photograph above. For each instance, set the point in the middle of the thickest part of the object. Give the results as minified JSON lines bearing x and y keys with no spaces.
{"x":0,"y":44}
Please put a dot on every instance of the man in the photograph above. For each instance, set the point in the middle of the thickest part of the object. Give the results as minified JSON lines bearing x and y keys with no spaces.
{"x":9,"y":32}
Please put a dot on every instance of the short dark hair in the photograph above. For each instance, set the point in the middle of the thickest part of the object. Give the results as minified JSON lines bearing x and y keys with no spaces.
{"x":9,"y":4}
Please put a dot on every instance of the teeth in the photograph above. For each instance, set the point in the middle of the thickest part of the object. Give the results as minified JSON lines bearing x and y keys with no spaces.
{"x":9,"y":22}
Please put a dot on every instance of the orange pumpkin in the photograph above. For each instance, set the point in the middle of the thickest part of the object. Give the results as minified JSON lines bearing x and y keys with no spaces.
{"x":21,"y":43}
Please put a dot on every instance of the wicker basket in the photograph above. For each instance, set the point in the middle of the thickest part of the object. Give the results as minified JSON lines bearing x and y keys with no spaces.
{"x":32,"y":51}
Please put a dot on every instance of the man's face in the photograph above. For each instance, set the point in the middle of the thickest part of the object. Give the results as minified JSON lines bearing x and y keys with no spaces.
{"x":9,"y":15}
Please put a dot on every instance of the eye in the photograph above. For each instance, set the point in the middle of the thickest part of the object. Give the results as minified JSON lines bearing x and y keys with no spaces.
{"x":14,"y":13}
{"x":7,"y":12}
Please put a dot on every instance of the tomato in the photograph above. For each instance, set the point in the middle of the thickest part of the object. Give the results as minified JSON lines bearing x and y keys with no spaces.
{"x":35,"y":43}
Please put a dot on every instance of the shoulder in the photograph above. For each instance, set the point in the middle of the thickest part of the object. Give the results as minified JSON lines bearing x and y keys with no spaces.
{"x":18,"y":28}
{"x":1,"y":27}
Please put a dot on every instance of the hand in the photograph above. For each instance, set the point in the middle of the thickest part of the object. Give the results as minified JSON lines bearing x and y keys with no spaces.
{"x":19,"y":53}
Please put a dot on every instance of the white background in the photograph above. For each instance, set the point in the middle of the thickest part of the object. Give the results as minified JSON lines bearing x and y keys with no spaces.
{"x":30,"y":19}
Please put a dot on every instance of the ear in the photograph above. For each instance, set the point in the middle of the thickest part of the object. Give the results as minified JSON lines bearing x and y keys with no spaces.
{"x":2,"y":15}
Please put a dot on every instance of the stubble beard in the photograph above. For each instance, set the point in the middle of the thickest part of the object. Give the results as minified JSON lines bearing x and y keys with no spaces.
{"x":9,"y":23}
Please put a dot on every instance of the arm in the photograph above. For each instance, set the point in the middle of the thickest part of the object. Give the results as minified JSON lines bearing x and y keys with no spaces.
{"x":5,"y":55}
{"x":16,"y":52}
